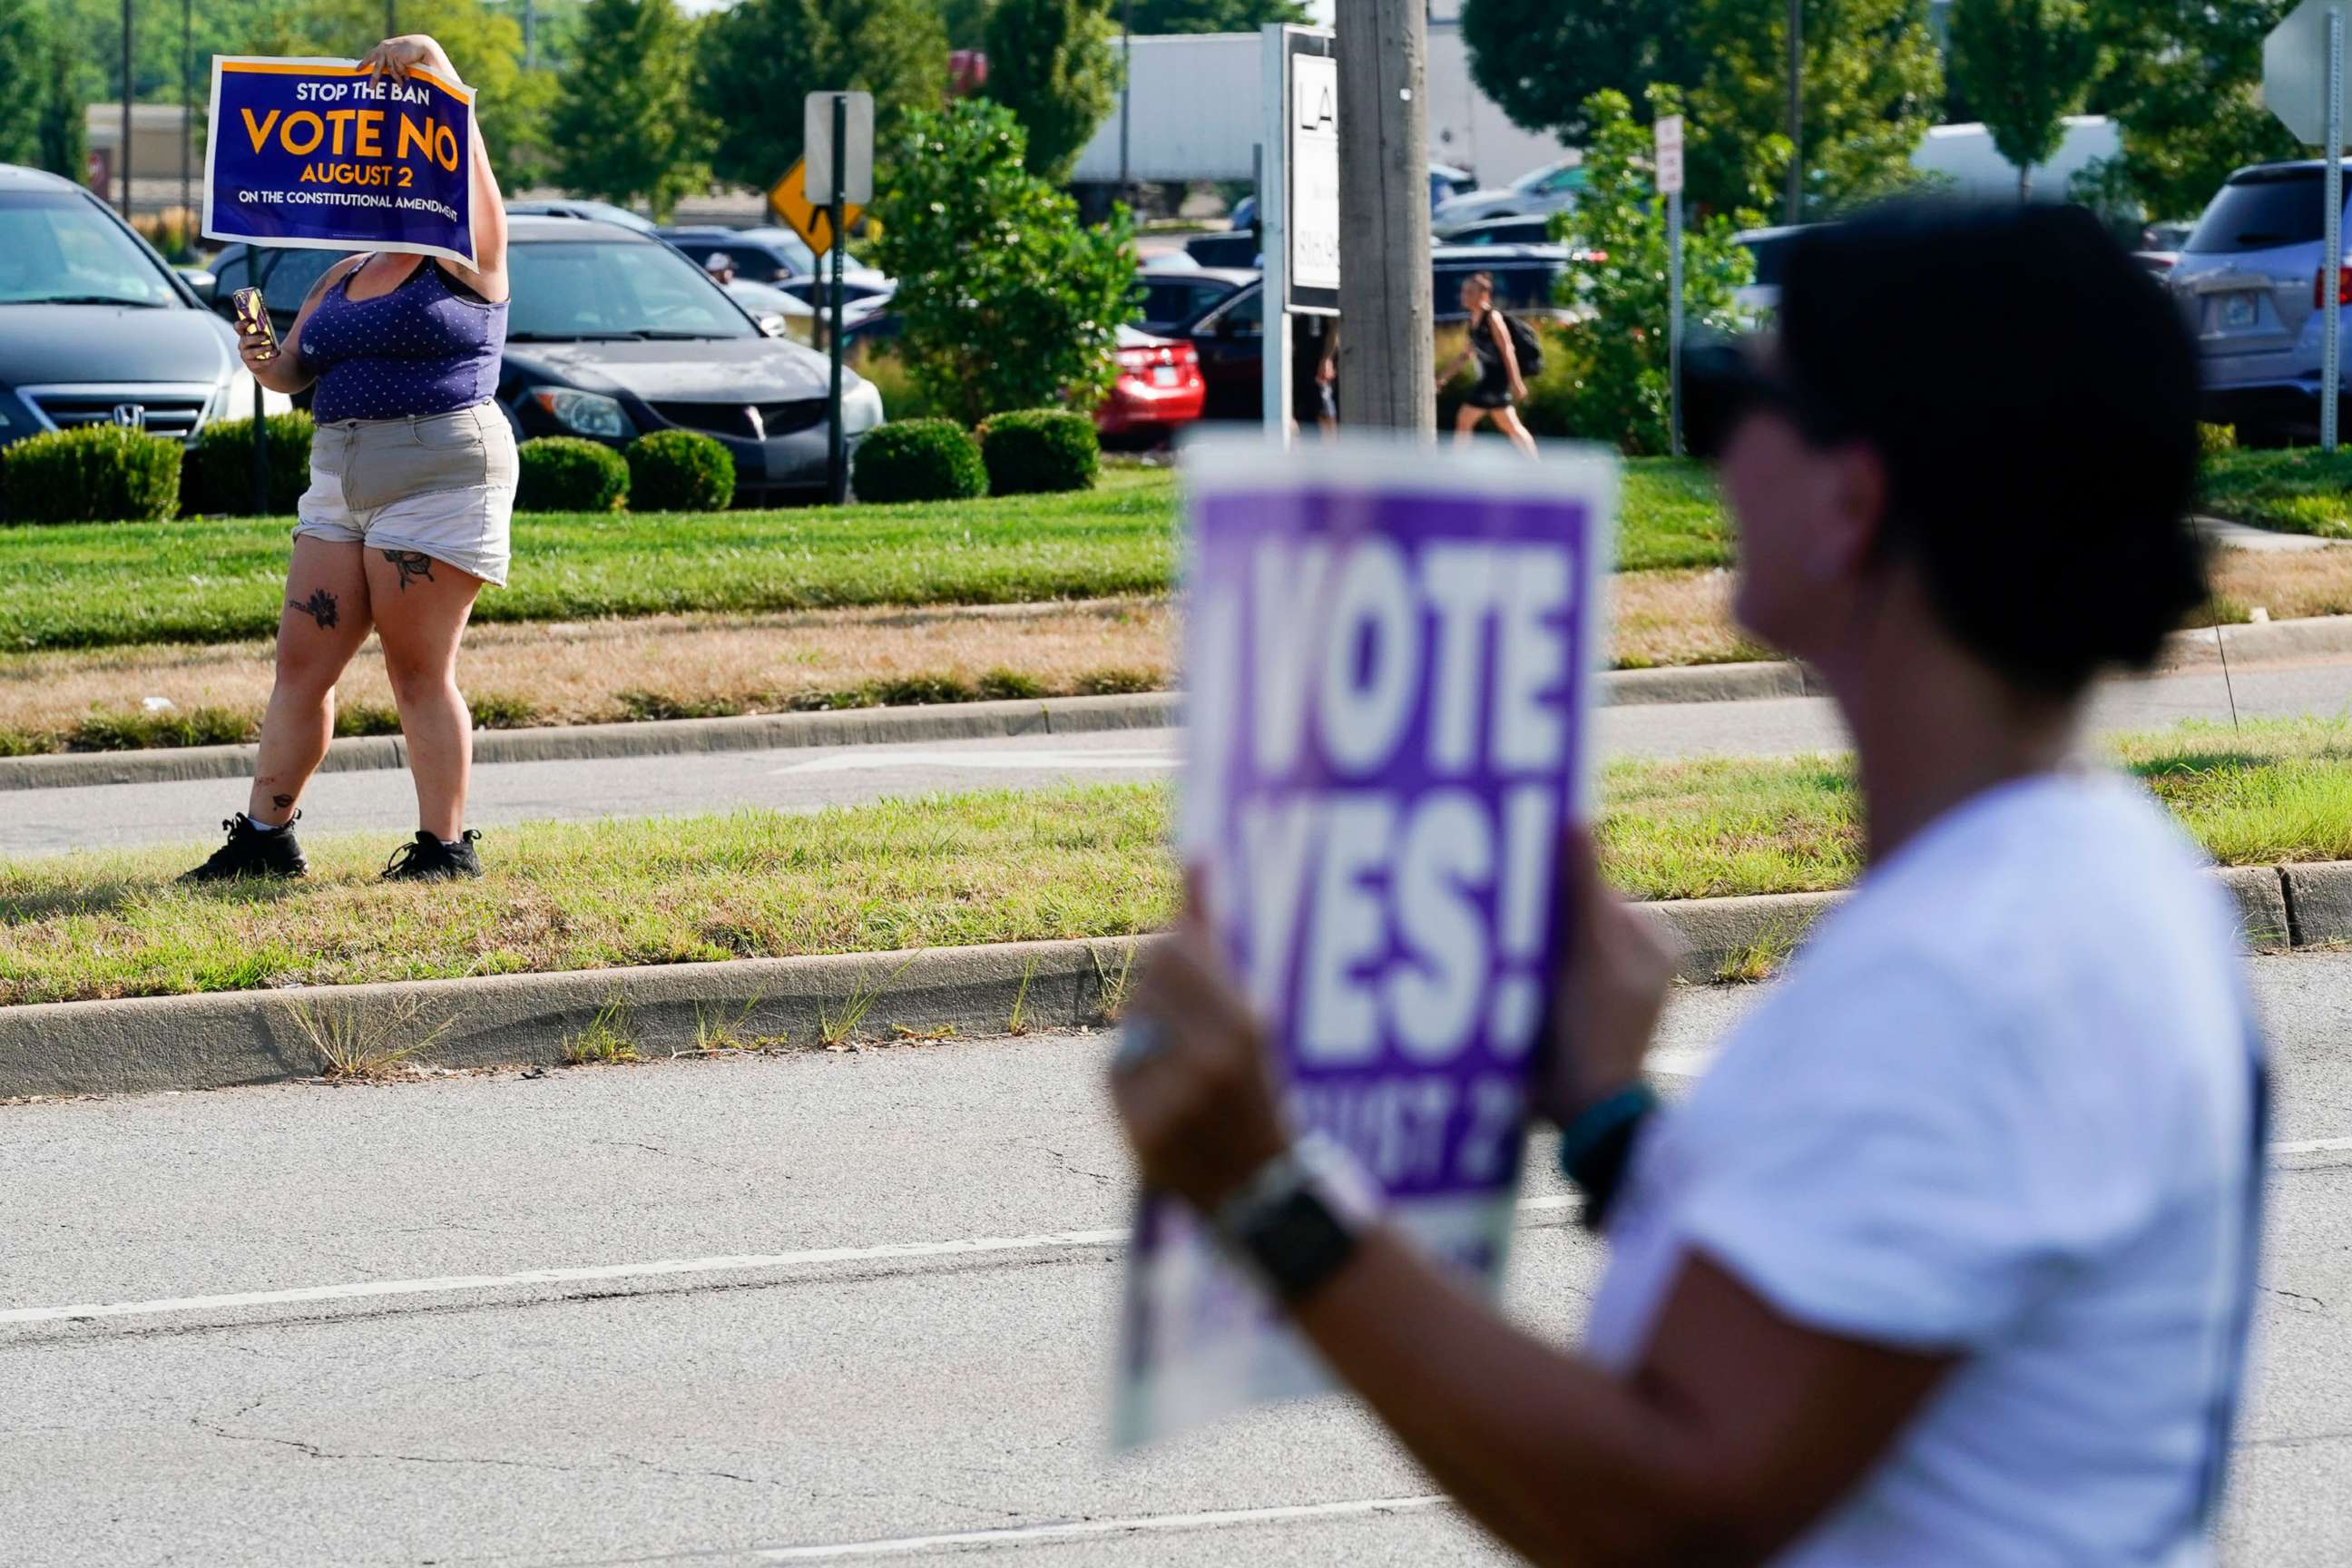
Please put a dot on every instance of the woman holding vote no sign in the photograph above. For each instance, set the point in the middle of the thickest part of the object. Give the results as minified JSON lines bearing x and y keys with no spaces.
{"x":1950,"y":1257}
{"x":413,"y":477}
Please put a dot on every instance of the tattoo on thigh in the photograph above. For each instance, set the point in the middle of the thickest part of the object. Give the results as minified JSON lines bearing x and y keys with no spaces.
{"x":281,"y":801}
{"x":412,"y":563}
{"x":321,"y":607}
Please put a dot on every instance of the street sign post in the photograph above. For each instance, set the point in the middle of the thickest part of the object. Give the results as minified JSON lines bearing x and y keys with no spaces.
{"x":1298,"y":201}
{"x":837,"y":132}
{"x":2302,"y":84}
{"x":1669,"y":165}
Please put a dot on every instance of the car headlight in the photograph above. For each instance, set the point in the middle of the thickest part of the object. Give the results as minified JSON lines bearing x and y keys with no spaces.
{"x":861,"y":407}
{"x":587,"y":413}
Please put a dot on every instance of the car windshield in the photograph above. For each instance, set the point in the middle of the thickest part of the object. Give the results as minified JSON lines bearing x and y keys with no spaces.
{"x":2262,"y":214}
{"x":575,"y":289}
{"x":57,"y":247}
{"x":284,"y":276}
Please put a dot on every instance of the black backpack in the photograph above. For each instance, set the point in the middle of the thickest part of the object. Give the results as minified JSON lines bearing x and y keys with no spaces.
{"x":1525,"y":344}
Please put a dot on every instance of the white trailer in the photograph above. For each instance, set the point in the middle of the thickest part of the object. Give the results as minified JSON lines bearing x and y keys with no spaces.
{"x":1197,"y":114}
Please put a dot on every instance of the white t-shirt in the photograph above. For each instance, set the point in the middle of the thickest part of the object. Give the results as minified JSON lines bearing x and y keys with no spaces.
{"x":2003,"y":1105}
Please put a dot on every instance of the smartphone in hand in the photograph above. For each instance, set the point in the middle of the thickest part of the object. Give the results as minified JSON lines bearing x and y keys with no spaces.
{"x":253,"y":319}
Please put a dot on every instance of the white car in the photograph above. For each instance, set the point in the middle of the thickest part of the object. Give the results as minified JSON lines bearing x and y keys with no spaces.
{"x":1545,"y":190}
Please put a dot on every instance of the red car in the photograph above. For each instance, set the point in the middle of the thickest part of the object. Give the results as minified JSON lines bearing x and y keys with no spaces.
{"x":1158,"y":389}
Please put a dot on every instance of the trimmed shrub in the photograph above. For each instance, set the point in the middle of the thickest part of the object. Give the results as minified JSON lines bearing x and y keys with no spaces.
{"x":93,"y":473}
{"x":920,"y":459}
{"x":1033,"y":451}
{"x":564,"y":473}
{"x":218,"y":475}
{"x":679,"y":470}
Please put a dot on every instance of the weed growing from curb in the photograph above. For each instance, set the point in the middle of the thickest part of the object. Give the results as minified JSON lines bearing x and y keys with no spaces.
{"x":607,"y":1038}
{"x":834,"y":1031}
{"x":1761,"y":958}
{"x":351,"y":1045}
{"x":1110,"y":990}
{"x":1018,"y":1023}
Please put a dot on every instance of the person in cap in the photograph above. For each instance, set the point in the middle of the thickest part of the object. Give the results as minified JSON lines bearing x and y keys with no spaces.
{"x":1949,"y":1256}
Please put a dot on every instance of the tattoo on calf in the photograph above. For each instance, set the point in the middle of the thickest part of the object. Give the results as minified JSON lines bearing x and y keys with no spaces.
{"x":413,"y":564}
{"x":281,"y":801}
{"x":321,"y":607}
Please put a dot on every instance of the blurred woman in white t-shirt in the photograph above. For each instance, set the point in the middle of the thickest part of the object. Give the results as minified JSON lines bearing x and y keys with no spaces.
{"x":1949,"y":1259}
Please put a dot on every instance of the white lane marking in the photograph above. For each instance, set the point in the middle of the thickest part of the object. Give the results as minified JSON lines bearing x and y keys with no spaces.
{"x":2312,"y":1146}
{"x":1083,"y":1530}
{"x":1028,"y":761}
{"x":369,"y":1290}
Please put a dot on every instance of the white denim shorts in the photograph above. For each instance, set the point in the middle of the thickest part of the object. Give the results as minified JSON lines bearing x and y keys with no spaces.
{"x":441,"y":484}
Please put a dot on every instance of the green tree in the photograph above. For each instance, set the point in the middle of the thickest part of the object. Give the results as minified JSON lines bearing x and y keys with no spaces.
{"x":760,"y":59}
{"x":1619,"y":341}
{"x":2187,"y":91}
{"x":628,"y":129}
{"x":1054,"y":63}
{"x":1872,"y":83}
{"x":1152,"y":16}
{"x":24,"y":58}
{"x":1541,"y":60}
{"x":2023,"y":66}
{"x":1006,"y":300}
{"x":64,"y":128}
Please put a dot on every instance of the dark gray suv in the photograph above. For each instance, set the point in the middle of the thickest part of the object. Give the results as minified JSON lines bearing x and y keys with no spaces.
{"x":2249,"y":282}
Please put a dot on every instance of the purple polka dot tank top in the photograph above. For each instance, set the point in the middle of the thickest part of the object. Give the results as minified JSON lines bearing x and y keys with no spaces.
{"x":425,"y":348}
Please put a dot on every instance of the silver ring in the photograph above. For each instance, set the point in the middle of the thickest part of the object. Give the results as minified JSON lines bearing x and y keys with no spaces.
{"x":1139,"y":1040}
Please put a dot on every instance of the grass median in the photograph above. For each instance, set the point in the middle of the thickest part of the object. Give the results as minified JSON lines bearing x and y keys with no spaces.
{"x":965,"y":869}
{"x":222,"y":579}
{"x":2303,"y":491}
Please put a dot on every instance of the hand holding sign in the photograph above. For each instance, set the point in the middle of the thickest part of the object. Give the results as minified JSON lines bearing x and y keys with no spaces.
{"x":396,"y":57}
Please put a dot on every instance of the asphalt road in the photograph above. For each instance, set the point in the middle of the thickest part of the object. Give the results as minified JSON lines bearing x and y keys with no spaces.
{"x":39,"y":822}
{"x":850,"y":1393}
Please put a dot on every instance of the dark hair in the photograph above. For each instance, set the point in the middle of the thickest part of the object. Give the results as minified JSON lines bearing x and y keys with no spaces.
{"x":2034,"y":397}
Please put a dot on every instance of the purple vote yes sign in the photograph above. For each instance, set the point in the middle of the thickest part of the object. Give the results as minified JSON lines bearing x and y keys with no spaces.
{"x":1389,"y":665}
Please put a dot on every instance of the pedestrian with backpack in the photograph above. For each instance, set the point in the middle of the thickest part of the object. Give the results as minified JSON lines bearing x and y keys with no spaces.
{"x":1507,"y":352}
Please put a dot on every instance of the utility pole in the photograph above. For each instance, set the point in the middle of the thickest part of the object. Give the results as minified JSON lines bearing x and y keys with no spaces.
{"x":1125,"y":94}
{"x":187,"y":119}
{"x":125,"y":152}
{"x":1387,"y":362}
{"x":1796,"y":112}
{"x":391,"y":23}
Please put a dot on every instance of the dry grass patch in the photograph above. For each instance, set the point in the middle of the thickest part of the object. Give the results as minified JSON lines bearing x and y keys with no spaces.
{"x":599,"y":671}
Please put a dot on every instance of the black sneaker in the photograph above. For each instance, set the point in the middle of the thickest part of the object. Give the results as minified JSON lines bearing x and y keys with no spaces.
{"x":426,"y":859}
{"x":250,"y":852}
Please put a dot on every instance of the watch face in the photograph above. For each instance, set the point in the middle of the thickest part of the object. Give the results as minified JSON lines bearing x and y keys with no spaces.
{"x":1297,"y":1242}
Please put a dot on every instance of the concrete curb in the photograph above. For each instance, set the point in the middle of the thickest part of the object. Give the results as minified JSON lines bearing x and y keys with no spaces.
{"x":2275,"y":642}
{"x":657,"y":738}
{"x":233,"y":1038}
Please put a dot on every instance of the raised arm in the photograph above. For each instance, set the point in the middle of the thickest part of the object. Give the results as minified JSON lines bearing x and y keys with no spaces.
{"x":396,"y":57}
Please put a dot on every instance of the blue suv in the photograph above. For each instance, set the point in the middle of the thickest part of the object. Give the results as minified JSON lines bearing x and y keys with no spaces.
{"x":2250,"y":283}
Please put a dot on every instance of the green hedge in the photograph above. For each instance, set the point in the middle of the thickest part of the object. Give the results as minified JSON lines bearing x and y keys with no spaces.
{"x":218,"y":477}
{"x":93,"y":473}
{"x":679,"y":470}
{"x":564,"y":473}
{"x":920,"y":459}
{"x":1035,"y":451}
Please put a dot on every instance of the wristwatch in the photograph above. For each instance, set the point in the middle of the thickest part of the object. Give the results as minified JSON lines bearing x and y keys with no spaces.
{"x":1300,"y":1218}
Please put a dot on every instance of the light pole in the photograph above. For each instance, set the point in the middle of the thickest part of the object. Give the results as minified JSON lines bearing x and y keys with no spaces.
{"x":1126,"y":92}
{"x":125,"y":152}
{"x":1796,"y":111}
{"x":187,"y":116}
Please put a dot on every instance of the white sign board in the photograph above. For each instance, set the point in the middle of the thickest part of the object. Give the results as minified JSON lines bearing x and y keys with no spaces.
{"x":1313,"y":172}
{"x":856,"y":146}
{"x":1670,"y":155}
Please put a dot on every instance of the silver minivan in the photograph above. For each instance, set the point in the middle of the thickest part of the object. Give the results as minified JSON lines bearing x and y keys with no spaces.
{"x":2249,"y":282}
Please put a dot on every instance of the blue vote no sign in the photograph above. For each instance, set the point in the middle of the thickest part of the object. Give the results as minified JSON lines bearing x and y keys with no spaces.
{"x":319,"y":154}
